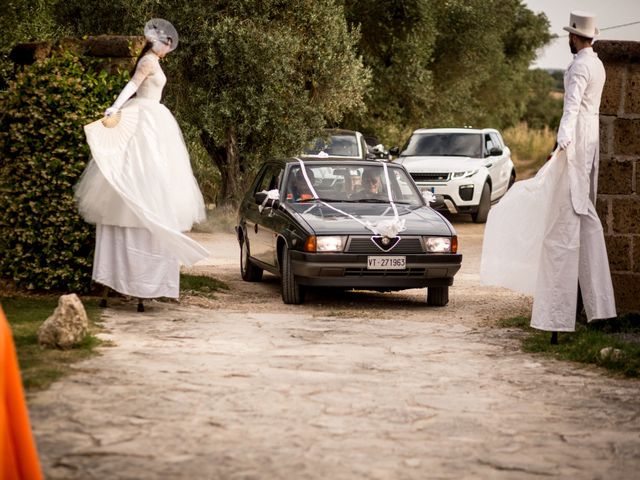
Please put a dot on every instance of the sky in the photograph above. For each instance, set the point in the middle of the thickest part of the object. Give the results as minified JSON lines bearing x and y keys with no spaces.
{"x":608,"y":13}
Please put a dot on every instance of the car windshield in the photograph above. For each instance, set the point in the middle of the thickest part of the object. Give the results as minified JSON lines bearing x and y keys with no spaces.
{"x":339,"y":145}
{"x":341,"y":182}
{"x":444,"y":144}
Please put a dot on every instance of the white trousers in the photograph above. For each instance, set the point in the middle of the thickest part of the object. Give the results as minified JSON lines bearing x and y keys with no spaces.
{"x":573,"y":251}
{"x":133,"y":262}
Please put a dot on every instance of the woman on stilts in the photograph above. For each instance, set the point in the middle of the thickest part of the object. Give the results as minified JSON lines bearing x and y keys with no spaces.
{"x":138,"y":189}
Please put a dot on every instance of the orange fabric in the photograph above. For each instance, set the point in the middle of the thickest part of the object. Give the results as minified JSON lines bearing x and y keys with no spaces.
{"x":18,"y":455}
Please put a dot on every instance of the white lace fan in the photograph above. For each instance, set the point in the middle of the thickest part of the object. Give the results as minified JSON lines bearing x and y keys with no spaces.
{"x":113,"y":132}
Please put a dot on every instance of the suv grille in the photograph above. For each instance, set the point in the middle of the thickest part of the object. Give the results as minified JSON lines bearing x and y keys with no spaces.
{"x":430,"y":177}
{"x":366,"y":245}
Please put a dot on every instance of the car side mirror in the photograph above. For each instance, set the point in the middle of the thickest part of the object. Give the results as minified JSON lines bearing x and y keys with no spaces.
{"x":495,"y":151}
{"x":394,"y":151}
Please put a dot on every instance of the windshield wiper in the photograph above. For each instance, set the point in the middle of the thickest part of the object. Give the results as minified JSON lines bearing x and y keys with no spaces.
{"x":370,"y":200}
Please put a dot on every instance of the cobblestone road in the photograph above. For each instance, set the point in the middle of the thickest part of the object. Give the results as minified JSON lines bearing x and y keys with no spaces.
{"x":359,"y":385}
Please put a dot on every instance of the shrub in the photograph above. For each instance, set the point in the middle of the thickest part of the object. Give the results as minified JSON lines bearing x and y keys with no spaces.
{"x":44,"y":244}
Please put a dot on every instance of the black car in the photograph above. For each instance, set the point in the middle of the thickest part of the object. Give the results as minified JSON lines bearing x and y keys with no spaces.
{"x":315,"y":223}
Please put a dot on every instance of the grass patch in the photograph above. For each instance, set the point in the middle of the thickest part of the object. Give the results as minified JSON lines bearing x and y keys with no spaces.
{"x":200,"y":285}
{"x":41,"y":366}
{"x":584,"y":345}
{"x":529,"y":148}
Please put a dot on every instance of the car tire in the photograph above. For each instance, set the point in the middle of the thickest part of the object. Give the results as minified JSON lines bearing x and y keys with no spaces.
{"x":437,"y":296}
{"x":480,"y":216}
{"x":512,"y":179}
{"x":292,"y":292}
{"x":249,"y":271}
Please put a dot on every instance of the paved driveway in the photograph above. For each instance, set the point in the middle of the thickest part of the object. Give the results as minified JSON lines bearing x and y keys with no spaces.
{"x":355,"y":385}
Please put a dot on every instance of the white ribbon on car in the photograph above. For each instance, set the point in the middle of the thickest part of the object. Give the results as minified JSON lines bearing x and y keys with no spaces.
{"x":429,"y":197}
{"x":271,"y":195}
{"x":386,"y":228}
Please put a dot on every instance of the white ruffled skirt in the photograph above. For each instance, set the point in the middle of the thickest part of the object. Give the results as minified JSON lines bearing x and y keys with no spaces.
{"x":140,"y":191}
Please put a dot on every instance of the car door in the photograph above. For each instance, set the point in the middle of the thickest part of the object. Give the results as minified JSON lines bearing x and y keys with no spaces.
{"x":268,"y":218}
{"x":502,"y":162}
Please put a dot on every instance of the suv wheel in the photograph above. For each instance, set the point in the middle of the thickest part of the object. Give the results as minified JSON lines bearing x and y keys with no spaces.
{"x":485,"y":204}
{"x":512,"y":179}
{"x":249,"y":272}
{"x":292,"y":292}
{"x":437,"y":296}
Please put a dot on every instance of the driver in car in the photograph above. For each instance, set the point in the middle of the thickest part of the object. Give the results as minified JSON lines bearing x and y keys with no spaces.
{"x":299,"y":189}
{"x":371,"y":186}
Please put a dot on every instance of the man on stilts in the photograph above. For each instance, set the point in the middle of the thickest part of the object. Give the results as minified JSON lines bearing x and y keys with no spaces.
{"x":573,"y":250}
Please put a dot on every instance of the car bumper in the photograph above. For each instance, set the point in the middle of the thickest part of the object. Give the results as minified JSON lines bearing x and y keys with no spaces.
{"x":456,"y":195}
{"x":350,"y":271}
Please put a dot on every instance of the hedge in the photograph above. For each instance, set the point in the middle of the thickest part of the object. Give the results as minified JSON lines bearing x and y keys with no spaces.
{"x":44,"y":244}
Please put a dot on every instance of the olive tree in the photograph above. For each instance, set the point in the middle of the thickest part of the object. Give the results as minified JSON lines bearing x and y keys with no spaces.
{"x":253,"y":78}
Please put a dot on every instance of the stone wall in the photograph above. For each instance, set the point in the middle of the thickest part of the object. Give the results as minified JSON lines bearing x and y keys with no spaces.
{"x":619,"y":181}
{"x":114,"y":51}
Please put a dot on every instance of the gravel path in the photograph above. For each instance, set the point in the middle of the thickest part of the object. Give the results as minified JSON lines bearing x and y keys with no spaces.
{"x":353,"y":385}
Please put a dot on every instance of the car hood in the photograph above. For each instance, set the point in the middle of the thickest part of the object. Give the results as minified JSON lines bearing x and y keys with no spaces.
{"x":440,"y":164}
{"x":324,"y":220}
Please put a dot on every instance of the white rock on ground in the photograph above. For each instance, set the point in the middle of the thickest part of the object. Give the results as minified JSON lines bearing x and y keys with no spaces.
{"x":67,"y":326}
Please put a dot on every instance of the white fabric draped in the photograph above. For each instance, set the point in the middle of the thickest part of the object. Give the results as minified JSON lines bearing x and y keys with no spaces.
{"x":535,"y":243}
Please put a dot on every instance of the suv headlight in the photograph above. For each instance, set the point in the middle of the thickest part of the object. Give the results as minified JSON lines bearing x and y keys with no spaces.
{"x":325,"y":243}
{"x":468,"y":173}
{"x":437,"y":244}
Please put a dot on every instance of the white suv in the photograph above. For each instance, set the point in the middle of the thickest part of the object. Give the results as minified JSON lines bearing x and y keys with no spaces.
{"x":467,"y":169}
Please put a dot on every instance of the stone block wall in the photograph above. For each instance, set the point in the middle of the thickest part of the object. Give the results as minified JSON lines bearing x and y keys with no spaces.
{"x":115,"y":52}
{"x":619,"y":179}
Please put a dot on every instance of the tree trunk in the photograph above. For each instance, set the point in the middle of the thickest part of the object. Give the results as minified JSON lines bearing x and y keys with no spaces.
{"x":227,"y":160}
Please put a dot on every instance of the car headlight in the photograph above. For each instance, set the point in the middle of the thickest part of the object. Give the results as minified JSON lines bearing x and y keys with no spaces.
{"x":325,"y":243}
{"x":437,"y":244}
{"x":468,"y":173}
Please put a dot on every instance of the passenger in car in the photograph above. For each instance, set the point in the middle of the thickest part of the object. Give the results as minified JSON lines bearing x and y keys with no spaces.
{"x":298,"y":188}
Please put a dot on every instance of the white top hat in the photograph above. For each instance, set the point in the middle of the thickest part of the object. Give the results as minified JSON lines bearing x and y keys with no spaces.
{"x":583,"y":24}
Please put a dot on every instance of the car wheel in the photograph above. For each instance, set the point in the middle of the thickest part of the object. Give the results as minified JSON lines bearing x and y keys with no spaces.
{"x":249,"y":272}
{"x":485,"y":204}
{"x":512,"y":179}
{"x":292,"y":292}
{"x":437,"y":296}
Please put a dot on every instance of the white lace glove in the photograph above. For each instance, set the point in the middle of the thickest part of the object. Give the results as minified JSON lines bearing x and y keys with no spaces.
{"x":129,"y":89}
{"x":563,"y":143}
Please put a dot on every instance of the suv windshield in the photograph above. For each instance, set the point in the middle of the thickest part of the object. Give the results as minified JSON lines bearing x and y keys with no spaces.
{"x":444,"y":144}
{"x":339,"y":145}
{"x":350,"y":183}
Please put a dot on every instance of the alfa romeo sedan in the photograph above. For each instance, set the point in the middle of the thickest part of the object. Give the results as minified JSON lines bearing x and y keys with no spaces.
{"x":344,"y":224}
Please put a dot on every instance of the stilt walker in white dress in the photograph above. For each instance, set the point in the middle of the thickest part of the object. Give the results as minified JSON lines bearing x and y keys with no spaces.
{"x":544,"y":238}
{"x":138,"y":188}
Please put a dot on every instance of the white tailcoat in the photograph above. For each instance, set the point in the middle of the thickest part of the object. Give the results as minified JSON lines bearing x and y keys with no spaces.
{"x":545,"y":235}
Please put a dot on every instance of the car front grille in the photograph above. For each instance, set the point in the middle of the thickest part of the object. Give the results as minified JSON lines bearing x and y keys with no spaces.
{"x":430,"y":177}
{"x":363,"y":272}
{"x":406,"y":245}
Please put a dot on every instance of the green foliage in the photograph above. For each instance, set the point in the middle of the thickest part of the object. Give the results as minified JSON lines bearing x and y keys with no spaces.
{"x":262,"y":77}
{"x":584,"y":345}
{"x":397,"y":44}
{"x":445,"y":63}
{"x":41,"y":366}
{"x":23,"y":21}
{"x":44,"y":244}
{"x":544,"y":105}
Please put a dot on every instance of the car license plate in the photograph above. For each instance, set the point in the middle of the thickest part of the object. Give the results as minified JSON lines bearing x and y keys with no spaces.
{"x":386,"y":262}
{"x":428,"y":189}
